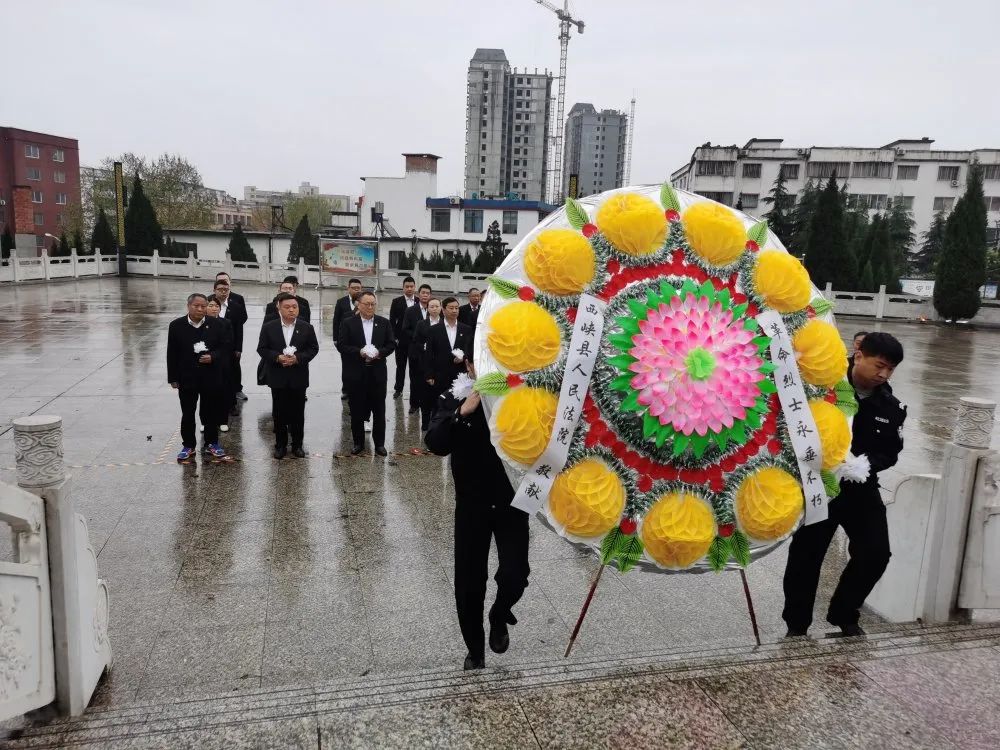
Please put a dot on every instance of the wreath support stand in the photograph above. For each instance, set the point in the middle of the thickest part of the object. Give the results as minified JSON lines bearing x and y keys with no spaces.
{"x":583,"y":612}
{"x":753,"y":616}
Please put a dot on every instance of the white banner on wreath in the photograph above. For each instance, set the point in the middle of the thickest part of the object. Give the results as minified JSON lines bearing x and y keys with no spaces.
{"x":581,"y":357}
{"x":795,"y":406}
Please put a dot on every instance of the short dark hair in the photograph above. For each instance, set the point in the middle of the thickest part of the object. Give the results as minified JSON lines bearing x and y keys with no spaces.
{"x":367,"y":293}
{"x":290,"y":280}
{"x":282,"y":296}
{"x":859,"y":333}
{"x":410,"y":279}
{"x":473,"y":289}
{"x":425,"y":286}
{"x":353,"y":281}
{"x":220,"y":282}
{"x":213,"y":298}
{"x":882,"y":345}
{"x":448,"y":300}
{"x":196,"y":294}
{"x":223,"y":273}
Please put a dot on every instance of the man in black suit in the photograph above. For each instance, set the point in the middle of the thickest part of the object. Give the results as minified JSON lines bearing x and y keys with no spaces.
{"x":196,"y":346}
{"x":236,"y":313}
{"x":287,"y":345}
{"x":235,"y":300}
{"x":411,"y":319}
{"x":397,"y":309}
{"x":288,"y":286}
{"x":346,"y":307}
{"x":449,"y":347}
{"x":366,"y":340}
{"x":469,"y":313}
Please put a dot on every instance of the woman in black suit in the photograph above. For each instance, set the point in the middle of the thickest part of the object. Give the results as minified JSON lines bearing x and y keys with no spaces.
{"x":417,"y":348}
{"x":228,"y":395}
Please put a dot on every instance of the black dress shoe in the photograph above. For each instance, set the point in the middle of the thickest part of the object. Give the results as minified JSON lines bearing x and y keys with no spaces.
{"x":852,"y":630}
{"x":280,"y":451}
{"x":298,"y":452}
{"x":796,"y":632}
{"x":382,"y":451}
{"x":471,"y":662}
{"x":499,"y":637}
{"x":358,"y":450}
{"x":397,"y":394}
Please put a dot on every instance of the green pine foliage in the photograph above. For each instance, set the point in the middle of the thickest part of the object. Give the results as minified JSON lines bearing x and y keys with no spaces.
{"x":828,"y":258}
{"x":103,"y":237}
{"x":62,"y":250}
{"x":143,"y":232}
{"x":924,"y":260}
{"x":6,"y":242}
{"x":78,"y":243}
{"x":301,"y":241}
{"x":492,"y":252}
{"x":801,"y":217}
{"x":866,"y":280}
{"x":961,"y":267}
{"x":778,"y":218}
{"x":883,"y":260}
{"x":239,"y":247}
{"x":901,"y":225}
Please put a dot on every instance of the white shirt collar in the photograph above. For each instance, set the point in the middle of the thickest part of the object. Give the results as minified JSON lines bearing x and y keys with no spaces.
{"x":195,"y":325}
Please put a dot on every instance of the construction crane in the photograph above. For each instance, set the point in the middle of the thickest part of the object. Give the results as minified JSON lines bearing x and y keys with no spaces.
{"x":566,"y":21}
{"x":628,"y":148}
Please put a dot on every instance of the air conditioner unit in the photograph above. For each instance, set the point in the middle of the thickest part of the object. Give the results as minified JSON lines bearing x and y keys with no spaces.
{"x":954,"y":183}
{"x":454,"y":200}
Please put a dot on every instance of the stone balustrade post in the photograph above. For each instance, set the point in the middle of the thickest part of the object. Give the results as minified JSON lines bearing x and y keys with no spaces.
{"x":880,"y":301}
{"x":79,"y":598}
{"x":416,"y":272}
{"x":72,"y":263}
{"x":156,"y":263}
{"x":456,"y":278}
{"x":45,"y":263}
{"x":15,"y":267}
{"x":190,"y":264}
{"x":97,"y":261}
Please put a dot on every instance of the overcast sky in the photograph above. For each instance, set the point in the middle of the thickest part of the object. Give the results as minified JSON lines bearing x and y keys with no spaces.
{"x":273,"y":93}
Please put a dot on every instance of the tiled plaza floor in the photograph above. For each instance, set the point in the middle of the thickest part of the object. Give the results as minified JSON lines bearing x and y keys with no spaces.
{"x":262,"y":574}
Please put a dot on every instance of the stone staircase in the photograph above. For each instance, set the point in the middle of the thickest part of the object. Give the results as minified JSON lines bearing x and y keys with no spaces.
{"x":229,"y":720}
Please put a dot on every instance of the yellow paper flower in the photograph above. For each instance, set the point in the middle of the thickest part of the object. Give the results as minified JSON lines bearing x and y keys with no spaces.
{"x":714,"y":232}
{"x":822,"y":355}
{"x":587,"y":499}
{"x":678,"y":530}
{"x":523,"y":337}
{"x":782,"y":281}
{"x":834,"y":432}
{"x":768,"y":504}
{"x":524,"y":420}
{"x":560,"y":261}
{"x":633,"y":223}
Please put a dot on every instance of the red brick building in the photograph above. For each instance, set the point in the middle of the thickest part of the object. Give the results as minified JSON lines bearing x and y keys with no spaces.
{"x":39,"y":180}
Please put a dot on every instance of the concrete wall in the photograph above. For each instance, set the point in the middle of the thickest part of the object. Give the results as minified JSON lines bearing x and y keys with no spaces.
{"x":404,"y":200}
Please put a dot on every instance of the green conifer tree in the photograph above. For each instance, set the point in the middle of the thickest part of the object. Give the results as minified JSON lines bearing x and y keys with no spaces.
{"x":239,"y":247}
{"x":103,"y":237}
{"x":961,"y":268}
{"x":779,"y":199}
{"x":828,"y":258}
{"x":143,"y":232}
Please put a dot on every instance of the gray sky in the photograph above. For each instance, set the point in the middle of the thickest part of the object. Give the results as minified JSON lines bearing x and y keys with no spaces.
{"x":273,"y":93}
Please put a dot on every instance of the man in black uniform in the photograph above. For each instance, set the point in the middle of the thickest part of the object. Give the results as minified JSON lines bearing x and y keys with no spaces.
{"x":289,"y":286}
{"x":397,"y":310}
{"x":234,"y":309}
{"x":483,"y":495}
{"x":859,"y":509}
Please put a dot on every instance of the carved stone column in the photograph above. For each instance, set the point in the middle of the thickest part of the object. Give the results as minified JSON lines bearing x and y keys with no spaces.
{"x":38,"y":451}
{"x":975,"y":422}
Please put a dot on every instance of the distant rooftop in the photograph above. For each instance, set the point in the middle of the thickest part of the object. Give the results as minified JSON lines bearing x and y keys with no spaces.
{"x":484,"y":54}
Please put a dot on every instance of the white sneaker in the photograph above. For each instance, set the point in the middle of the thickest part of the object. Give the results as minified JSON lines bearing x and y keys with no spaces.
{"x":223,"y":428}
{"x":368,"y":426}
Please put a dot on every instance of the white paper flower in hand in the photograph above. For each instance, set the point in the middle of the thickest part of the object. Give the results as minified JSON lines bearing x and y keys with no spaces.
{"x":854,"y":469}
{"x":461,"y":388}
{"x":288,"y":351}
{"x":370,"y":351}
{"x":458,"y":354}
{"x":200,"y":347}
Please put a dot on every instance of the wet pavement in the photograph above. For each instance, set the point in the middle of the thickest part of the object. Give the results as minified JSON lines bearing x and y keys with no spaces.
{"x":260,"y":574}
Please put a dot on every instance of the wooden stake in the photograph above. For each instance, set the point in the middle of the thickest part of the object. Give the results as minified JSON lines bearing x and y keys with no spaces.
{"x":583,"y":612}
{"x":753,"y":617}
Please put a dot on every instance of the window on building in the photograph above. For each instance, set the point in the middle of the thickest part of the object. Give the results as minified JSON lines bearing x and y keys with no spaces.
{"x":991,"y":172}
{"x":948,"y":174}
{"x":486,"y":74}
{"x":482,"y":170}
{"x":510,"y":222}
{"x":61,"y":199}
{"x":36,"y":196}
{"x":482,"y":147}
{"x":877,"y":169}
{"x":750,"y":200}
{"x":992,"y":203}
{"x":39,"y":240}
{"x":825,"y":169}
{"x":482,"y":182}
{"x":39,"y":219}
{"x":724,"y":198}
{"x":59,"y":177}
{"x":32,"y":152}
{"x":58,"y":155}
{"x":484,"y":123}
{"x":907,"y":171}
{"x":61,"y":219}
{"x":943,"y":204}
{"x":751,"y":170}
{"x":473,"y":221}
{"x":33,"y":173}
{"x":520,"y":80}
{"x":715,"y":168}
{"x":906,"y":201}
{"x":484,"y":134}
{"x":790,"y":171}
{"x":218,"y":218}
{"x":440,"y":220}
{"x":876,"y":202}
{"x":517,"y":128}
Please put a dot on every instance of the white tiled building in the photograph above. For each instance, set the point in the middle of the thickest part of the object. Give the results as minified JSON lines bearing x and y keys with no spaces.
{"x":925,"y":179}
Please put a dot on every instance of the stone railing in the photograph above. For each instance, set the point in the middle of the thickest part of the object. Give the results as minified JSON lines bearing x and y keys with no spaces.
{"x":44,"y":268}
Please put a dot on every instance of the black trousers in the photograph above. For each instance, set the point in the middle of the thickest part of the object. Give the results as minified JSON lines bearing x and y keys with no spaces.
{"x":417,"y":383}
{"x":237,"y":375}
{"x":366,"y":397}
{"x":429,"y":395}
{"x":208,"y":411}
{"x":862,"y":515}
{"x":289,"y":415}
{"x":475,"y":525}
{"x":402,"y":353}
